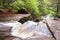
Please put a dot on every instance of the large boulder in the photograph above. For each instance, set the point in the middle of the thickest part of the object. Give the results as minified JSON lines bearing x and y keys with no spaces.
{"x":25,"y":30}
{"x":33,"y":31}
{"x":29,"y":31}
{"x":41,"y":33}
{"x":6,"y":28}
{"x":54,"y":26}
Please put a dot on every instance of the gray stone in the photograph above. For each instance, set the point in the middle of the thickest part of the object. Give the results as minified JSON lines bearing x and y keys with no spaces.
{"x":29,"y":30}
{"x":54,"y":26}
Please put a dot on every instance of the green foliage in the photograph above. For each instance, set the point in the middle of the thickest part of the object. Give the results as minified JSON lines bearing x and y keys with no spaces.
{"x":5,"y":2}
{"x":30,"y":5}
{"x":58,"y":9}
{"x":17,"y":5}
{"x":37,"y":8}
{"x":48,"y":7}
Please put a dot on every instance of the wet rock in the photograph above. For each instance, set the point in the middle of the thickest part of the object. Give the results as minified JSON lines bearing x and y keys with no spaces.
{"x":25,"y":19}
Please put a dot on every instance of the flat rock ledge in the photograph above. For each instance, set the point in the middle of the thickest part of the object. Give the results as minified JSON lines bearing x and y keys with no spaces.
{"x":44,"y":30}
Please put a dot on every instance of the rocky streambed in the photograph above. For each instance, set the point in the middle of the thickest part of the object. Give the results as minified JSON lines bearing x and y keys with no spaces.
{"x":44,"y":30}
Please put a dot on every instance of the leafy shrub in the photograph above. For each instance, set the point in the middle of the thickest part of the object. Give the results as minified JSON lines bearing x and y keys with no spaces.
{"x":17,"y":5}
{"x":30,"y":5}
{"x":37,"y":8}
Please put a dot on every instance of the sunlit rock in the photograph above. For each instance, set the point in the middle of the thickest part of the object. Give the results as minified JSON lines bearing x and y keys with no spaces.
{"x":26,"y":30}
{"x":29,"y":30}
{"x":41,"y":33}
{"x":42,"y":29}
